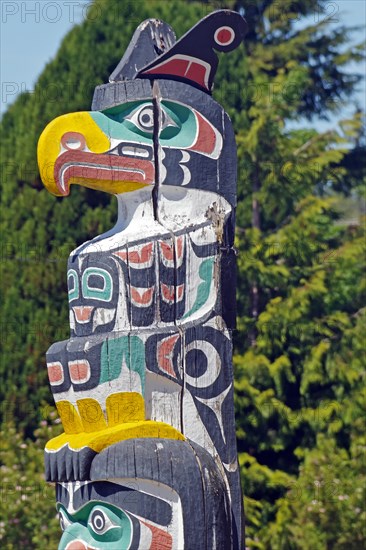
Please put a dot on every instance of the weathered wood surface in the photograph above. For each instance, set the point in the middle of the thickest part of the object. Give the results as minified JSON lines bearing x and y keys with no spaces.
{"x":144,"y":385}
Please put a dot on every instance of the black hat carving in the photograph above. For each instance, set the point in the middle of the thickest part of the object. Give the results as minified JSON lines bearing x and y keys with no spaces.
{"x":153,"y":53}
{"x":151,"y":39}
{"x":193,"y":59}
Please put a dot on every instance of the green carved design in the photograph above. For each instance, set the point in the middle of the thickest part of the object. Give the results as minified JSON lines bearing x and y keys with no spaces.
{"x":89,"y":291}
{"x":128,"y":349}
{"x":115,"y":124}
{"x":184,"y":133}
{"x":98,"y":525}
{"x":73,"y":289}
{"x":122,"y":123}
{"x":203,"y":291}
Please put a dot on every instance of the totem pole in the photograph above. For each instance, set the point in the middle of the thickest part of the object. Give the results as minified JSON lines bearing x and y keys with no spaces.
{"x":144,"y":384}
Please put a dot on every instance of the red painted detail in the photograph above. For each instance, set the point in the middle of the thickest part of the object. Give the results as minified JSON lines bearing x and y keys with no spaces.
{"x":197,"y":73}
{"x":79,"y":371}
{"x":165,"y":354}
{"x":55,"y":373}
{"x":121,"y":254}
{"x":83,"y":166}
{"x":170,"y":293}
{"x":179,"y":247}
{"x":75,"y":137}
{"x":206,"y":137}
{"x":161,"y":540}
{"x":184,"y":66}
{"x":138,"y":256}
{"x":224,"y":36}
{"x":142,"y":297}
{"x":83,"y":313}
{"x":173,"y":66}
{"x":179,"y":292}
{"x":167,"y":250}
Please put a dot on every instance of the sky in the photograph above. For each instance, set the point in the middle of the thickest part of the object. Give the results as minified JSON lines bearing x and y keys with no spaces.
{"x":31,"y":33}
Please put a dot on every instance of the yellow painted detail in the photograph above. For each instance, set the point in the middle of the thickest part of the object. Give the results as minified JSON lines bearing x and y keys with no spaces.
{"x":121,"y":407}
{"x":91,"y":415}
{"x":125,"y":407}
{"x":103,"y":439}
{"x":70,"y":418}
{"x":49,"y":144}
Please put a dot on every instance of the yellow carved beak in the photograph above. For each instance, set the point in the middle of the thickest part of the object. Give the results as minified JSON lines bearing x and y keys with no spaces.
{"x":73,"y":149}
{"x":61,"y":135}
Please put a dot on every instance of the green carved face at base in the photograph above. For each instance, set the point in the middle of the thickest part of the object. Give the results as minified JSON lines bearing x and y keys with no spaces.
{"x":96,"y":525}
{"x":106,"y":515}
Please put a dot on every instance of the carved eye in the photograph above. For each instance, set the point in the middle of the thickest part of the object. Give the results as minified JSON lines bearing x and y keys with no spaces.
{"x":64,"y":521}
{"x":98,"y":284}
{"x":73,"y":284}
{"x":143,"y":118}
{"x":99,"y":522}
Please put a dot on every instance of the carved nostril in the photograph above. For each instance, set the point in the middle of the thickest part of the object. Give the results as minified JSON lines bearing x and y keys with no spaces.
{"x":73,"y":141}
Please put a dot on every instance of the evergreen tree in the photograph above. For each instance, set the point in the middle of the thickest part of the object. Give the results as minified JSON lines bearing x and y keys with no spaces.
{"x":27,"y":505}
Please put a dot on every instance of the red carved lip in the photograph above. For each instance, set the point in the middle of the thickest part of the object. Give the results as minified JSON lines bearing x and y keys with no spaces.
{"x":83,"y":313}
{"x":83,"y":165}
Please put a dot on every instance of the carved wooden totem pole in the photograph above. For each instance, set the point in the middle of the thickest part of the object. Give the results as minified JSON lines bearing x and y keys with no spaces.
{"x":144,"y":385}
